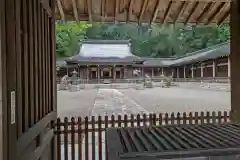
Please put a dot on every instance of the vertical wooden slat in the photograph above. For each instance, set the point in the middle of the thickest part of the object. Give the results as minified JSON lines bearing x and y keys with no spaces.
{"x":184,"y":118}
{"x":132,"y":120}
{"x":73,"y":137}
{"x":154,"y":119}
{"x":43,"y":63}
{"x":190,"y":118}
{"x":138,"y":120}
{"x":172,"y":118}
{"x":58,"y":139}
{"x":166,"y":118}
{"x":35,"y":25}
{"x":53,"y":96}
{"x":225,"y":116}
{"x":47,"y":64}
{"x":100,"y":137}
{"x":19,"y":66}
{"x":119,"y":121}
{"x":11,"y":76}
{"x":178,"y":118}
{"x":31,"y":66}
{"x":65,"y":138}
{"x":93,"y":138}
{"x":196,"y":117}
{"x":125,"y":121}
{"x":25,"y":63}
{"x":144,"y":119}
{"x":160,"y":116}
{"x":202,"y":119}
{"x":112,"y":120}
{"x":219,"y":117}
{"x":40,"y":60}
{"x":106,"y":126}
{"x":213,"y":117}
{"x":79,"y":138}
{"x":86,"y":139}
{"x":208,"y":117}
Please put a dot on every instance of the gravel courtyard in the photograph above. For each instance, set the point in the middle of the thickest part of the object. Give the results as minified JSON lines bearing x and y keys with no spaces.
{"x":184,"y":98}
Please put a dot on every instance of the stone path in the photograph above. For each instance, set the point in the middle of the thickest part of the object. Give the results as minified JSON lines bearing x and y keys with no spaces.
{"x":114,"y":102}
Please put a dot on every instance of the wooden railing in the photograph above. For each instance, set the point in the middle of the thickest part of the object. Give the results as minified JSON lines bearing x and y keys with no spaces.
{"x":84,"y":138}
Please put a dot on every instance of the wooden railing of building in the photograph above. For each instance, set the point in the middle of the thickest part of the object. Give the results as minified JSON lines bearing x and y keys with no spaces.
{"x":28,"y":66}
{"x":84,"y":138}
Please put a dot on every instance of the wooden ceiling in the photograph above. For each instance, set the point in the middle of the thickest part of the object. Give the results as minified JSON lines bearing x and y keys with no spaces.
{"x":150,"y":11}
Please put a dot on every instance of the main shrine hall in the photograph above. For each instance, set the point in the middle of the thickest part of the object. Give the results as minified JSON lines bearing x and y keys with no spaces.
{"x":113,"y":59}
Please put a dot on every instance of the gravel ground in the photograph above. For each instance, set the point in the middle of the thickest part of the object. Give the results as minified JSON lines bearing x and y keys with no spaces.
{"x":184,"y":98}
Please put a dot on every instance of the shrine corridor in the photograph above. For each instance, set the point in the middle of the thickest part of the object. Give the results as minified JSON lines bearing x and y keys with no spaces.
{"x":185,"y":98}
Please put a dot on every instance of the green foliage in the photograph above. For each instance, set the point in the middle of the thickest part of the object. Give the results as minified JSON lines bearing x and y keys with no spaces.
{"x":148,"y":41}
{"x":68,"y":35}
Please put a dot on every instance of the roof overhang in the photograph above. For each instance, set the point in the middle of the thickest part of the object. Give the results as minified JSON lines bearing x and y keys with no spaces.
{"x":150,"y":11}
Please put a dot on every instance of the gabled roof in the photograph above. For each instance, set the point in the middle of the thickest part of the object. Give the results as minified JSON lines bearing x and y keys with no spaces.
{"x":104,"y":51}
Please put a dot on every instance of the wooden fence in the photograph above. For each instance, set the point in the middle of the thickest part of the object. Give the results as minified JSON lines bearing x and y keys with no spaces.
{"x":84,"y":138}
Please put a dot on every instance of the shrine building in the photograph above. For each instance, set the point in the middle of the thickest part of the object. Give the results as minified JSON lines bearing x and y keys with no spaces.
{"x":113,"y":59}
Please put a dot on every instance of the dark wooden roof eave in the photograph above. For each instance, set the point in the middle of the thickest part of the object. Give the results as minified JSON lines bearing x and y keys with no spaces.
{"x":150,"y":11}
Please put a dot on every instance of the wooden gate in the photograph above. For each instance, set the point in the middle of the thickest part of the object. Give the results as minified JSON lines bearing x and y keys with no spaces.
{"x":28,"y":75}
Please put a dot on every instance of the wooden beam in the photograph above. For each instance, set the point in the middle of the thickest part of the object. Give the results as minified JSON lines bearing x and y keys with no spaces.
{"x":155,"y":13}
{"x":166,"y":14}
{"x":223,"y":13}
{"x":206,"y":9}
{"x":181,"y":9}
{"x":89,"y":5}
{"x":214,"y":14}
{"x":144,"y":7}
{"x":60,"y":8}
{"x":190,"y":14}
{"x":116,"y":9}
{"x":130,"y":7}
{"x":75,"y":10}
{"x":103,"y":8}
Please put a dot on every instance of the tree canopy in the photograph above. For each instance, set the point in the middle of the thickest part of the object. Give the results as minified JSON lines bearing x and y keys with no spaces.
{"x":147,"y":41}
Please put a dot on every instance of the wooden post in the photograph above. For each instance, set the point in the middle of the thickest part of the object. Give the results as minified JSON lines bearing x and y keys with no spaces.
{"x":234,"y":58}
{"x":152,"y":72}
{"x":177,"y":72}
{"x":184,"y":72}
{"x":162,"y":71}
{"x":229,"y":67}
{"x":202,"y":70}
{"x":114,"y":72}
{"x":192,"y":69}
{"x":214,"y":69}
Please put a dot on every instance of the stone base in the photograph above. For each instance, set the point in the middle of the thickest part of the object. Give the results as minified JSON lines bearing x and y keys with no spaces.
{"x":62,"y":86}
{"x":73,"y":88}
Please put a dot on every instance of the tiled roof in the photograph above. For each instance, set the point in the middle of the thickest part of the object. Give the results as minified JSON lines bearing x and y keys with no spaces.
{"x":104,"y":51}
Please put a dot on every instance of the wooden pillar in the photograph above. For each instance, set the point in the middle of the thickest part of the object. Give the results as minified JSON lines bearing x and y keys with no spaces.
{"x":172,"y":72}
{"x":202,"y":70}
{"x":214,"y":69}
{"x":114,"y":72}
{"x":98,"y":72}
{"x":143,"y":71}
{"x":162,"y":71}
{"x":235,"y":58}
{"x":152,"y":72}
{"x":192,"y":69}
{"x":229,"y":67}
{"x":177,"y":72}
{"x":87,"y":72}
{"x":184,"y":72}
